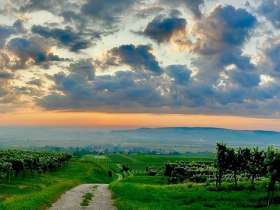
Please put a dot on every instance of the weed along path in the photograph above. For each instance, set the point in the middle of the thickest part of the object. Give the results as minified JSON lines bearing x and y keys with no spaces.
{"x":119,"y":177}
{"x":85,"y":196}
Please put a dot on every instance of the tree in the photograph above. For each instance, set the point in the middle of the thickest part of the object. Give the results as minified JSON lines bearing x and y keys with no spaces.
{"x":233,"y":163}
{"x":272,"y":161}
{"x":243,"y":156}
{"x":221,"y":163}
{"x":256,"y":164}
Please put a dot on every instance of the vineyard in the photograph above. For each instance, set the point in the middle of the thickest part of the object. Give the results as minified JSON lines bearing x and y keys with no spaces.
{"x":236,"y":178}
{"x":15,"y":162}
{"x":137,"y":163}
{"x":231,"y":166}
{"x":118,"y":163}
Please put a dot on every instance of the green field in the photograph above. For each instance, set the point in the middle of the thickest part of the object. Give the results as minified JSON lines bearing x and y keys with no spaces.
{"x":41,"y":190}
{"x":139,"y":163}
{"x":136,"y":190}
{"x":154,"y":193}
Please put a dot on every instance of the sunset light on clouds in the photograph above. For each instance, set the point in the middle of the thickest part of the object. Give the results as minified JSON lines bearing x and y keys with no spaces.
{"x":140,"y":63}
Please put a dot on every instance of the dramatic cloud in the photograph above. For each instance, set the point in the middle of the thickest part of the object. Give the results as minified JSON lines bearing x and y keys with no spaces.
{"x":123,"y":91}
{"x":139,"y":58}
{"x":37,"y":5}
{"x":36,"y":82}
{"x":180,"y":73}
{"x":273,"y":54}
{"x":6,"y":75}
{"x":5,"y":32}
{"x":221,"y":37}
{"x":207,"y":57}
{"x":108,"y":11}
{"x":224,"y":28}
{"x":31,"y":51}
{"x":67,"y":37}
{"x":193,"y":6}
{"x":271,"y":10}
{"x":242,"y":78}
{"x":144,"y":13}
{"x":161,"y":29}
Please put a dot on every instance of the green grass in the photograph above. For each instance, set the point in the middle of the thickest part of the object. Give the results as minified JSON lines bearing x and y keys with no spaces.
{"x":143,"y":192}
{"x":41,"y":191}
{"x":135,"y":192}
{"x":139,"y":163}
{"x":86,"y":199}
{"x":161,"y":159}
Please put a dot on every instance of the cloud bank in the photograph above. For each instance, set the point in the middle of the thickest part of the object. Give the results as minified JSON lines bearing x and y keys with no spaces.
{"x":155,"y":56}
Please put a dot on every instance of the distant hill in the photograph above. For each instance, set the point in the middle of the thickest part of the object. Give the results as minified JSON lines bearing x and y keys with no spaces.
{"x":201,"y":137}
{"x":170,"y":138}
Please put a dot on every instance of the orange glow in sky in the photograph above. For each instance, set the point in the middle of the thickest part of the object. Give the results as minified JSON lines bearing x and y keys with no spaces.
{"x":108,"y":120}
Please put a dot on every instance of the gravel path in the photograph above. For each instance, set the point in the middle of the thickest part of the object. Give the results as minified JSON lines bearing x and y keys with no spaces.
{"x":71,"y":199}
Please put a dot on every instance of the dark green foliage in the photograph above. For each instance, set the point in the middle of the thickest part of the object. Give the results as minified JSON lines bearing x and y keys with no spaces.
{"x":152,"y":171}
{"x":241,"y":163}
{"x":86,"y":199}
{"x":272,"y":162}
{"x":110,"y":173}
{"x":256,"y":165}
{"x":221,"y":163}
{"x":255,"y":162}
{"x":169,"y":167}
{"x":14,"y":162}
{"x":189,"y":171}
{"x":198,"y":178}
{"x":124,"y":168}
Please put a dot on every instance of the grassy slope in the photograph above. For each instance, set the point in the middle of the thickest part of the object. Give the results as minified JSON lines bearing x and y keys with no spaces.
{"x":152,"y":193}
{"x":40,"y":192}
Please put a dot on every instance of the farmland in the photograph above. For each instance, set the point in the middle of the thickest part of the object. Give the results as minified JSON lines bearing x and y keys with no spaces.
{"x":38,"y":189}
{"x":147,"y":177}
{"x":242,"y":178}
{"x":139,"y":163}
{"x":190,"y":188}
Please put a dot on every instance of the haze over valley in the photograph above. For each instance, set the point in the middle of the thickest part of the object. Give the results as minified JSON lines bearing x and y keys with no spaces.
{"x":181,"y":139}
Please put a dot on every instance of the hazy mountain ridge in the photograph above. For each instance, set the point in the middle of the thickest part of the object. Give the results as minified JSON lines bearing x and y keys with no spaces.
{"x":173,"y":138}
{"x":203,"y":137}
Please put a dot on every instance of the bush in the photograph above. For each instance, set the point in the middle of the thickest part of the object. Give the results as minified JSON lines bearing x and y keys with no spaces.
{"x":198,"y":178}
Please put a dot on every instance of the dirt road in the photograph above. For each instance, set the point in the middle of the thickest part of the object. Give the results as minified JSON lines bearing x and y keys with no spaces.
{"x":72,"y":199}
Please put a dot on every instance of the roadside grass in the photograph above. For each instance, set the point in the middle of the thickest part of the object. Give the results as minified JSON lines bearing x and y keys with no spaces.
{"x":86,"y":199}
{"x":40,"y":191}
{"x":149,"y":193}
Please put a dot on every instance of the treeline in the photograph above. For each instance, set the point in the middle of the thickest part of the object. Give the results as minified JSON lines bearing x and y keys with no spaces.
{"x":253,"y":161}
{"x":231,"y":164}
{"x":189,"y":171}
{"x":16,"y":162}
{"x":250,"y":161}
{"x":105,"y":149}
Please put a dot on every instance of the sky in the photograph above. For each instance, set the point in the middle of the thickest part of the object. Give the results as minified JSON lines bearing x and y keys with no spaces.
{"x":140,"y":63}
